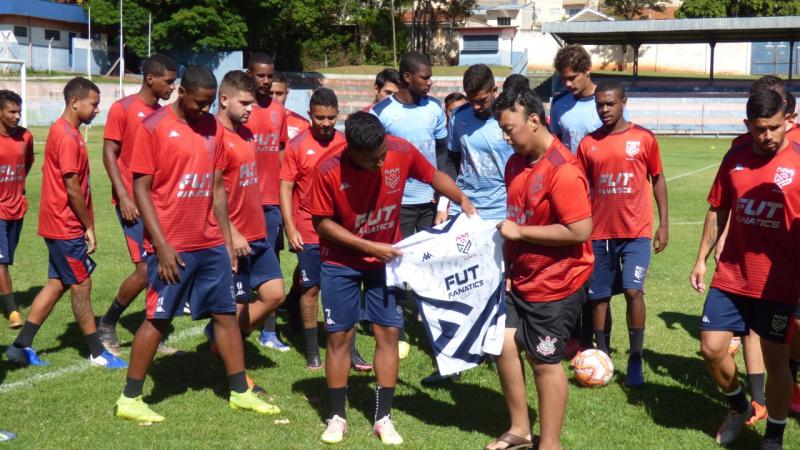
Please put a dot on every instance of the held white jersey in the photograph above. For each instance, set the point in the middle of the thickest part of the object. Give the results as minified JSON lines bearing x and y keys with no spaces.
{"x":456,"y":271}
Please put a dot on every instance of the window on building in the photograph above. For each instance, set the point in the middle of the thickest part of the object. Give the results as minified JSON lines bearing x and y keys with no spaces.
{"x":21,"y":32}
{"x":52,"y":34}
{"x":504,"y":21}
{"x":486,"y":43}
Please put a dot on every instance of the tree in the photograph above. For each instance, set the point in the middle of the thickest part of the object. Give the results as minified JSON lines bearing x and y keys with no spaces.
{"x":429,"y":15}
{"x":737,"y":8}
{"x":632,"y":9}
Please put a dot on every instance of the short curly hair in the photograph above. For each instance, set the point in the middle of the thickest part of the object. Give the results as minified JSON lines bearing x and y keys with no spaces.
{"x":573,"y":57}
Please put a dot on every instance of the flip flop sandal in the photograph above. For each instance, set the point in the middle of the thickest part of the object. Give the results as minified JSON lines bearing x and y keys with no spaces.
{"x":514,"y":442}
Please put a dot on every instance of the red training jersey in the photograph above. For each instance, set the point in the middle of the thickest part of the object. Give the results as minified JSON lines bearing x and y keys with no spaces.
{"x":299,"y":161}
{"x":241,"y":183}
{"x":269,"y":128}
{"x":16,"y":155}
{"x":182,"y":158}
{"x":761,"y":258}
{"x":365,"y":202}
{"x":295,"y":124}
{"x":64,"y":153}
{"x":793,"y":135}
{"x":619,"y":167}
{"x":552,"y":190}
{"x":124,"y":117}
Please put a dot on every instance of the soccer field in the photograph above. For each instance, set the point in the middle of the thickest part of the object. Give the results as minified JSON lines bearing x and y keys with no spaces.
{"x":68,"y":404}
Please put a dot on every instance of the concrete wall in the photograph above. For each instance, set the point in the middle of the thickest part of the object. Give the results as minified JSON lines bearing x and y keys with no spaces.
{"x":34,"y":47}
{"x":505,"y":49}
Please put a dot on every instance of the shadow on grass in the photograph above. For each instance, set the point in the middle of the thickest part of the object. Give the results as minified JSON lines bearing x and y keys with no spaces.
{"x":360,"y":395}
{"x":690,"y":323}
{"x":24,"y":299}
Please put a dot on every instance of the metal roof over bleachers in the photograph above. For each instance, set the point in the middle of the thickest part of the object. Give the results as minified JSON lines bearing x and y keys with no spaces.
{"x":676,"y":31}
{"x":41,"y":9}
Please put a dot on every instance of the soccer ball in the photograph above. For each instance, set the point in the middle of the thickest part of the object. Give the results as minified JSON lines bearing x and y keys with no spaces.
{"x":593,"y":368}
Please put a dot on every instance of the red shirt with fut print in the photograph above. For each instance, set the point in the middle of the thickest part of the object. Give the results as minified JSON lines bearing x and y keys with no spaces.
{"x":16,"y":153}
{"x":182,"y":158}
{"x":301,"y":157}
{"x":761,"y":257}
{"x":124,"y":118}
{"x":241,"y":183}
{"x":552,"y":190}
{"x":620,"y":167}
{"x":268,"y":125}
{"x":365,"y":202}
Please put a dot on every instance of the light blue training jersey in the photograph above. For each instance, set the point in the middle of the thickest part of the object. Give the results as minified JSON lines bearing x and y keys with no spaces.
{"x":484,"y":154}
{"x":421,"y":124}
{"x":573,"y":118}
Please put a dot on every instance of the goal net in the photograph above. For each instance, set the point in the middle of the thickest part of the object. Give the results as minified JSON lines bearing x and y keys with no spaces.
{"x":13,"y":77}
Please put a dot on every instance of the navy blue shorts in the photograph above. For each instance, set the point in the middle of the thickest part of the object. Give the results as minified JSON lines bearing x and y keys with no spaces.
{"x":69,"y":260}
{"x":619,"y":264}
{"x":134,"y":237}
{"x":272,"y":215}
{"x":341,"y":297}
{"x":205,"y":283}
{"x":724,"y":311}
{"x":309,"y":264}
{"x":9,"y":238}
{"x":255,"y":269}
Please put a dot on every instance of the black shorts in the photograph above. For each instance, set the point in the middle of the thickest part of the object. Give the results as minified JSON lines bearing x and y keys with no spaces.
{"x":543,"y":327}
{"x":415,"y":218}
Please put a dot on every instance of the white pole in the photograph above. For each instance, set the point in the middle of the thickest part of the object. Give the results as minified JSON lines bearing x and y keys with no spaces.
{"x":49,"y":56}
{"x":24,"y":89}
{"x":149,"y":32}
{"x":89,"y":48}
{"x":121,"y":54}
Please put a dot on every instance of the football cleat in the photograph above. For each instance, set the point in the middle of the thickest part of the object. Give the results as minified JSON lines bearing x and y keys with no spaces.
{"x":24,"y":356}
{"x":313,"y":361}
{"x":249,"y":401}
{"x":258,"y":390}
{"x":384,"y":429}
{"x":334,"y":432}
{"x":358,"y":363}
{"x":270,"y":339}
{"x":7,"y":435}
{"x":403,"y":349}
{"x":135,"y":409}
{"x":735,"y":345}
{"x":759,"y":414}
{"x":15,"y":320}
{"x":108,"y":337}
{"x":635,"y":376}
{"x":107,"y":360}
{"x":732,"y":425}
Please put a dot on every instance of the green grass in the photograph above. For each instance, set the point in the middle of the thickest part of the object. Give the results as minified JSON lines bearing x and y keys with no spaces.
{"x":438,"y":71}
{"x":679,"y":408}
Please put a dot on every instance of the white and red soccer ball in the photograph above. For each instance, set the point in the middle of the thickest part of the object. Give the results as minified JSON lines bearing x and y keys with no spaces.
{"x":593,"y":368}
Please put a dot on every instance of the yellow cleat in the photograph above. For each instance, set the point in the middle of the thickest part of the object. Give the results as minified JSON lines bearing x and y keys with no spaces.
{"x":250,"y":401}
{"x":403,"y":348}
{"x":135,"y":409}
{"x":15,"y":319}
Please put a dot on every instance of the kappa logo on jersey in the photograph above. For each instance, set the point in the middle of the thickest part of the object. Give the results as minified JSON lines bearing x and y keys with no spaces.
{"x":391,"y":177}
{"x":160,"y":305}
{"x":614,"y":183}
{"x":239,"y":289}
{"x":195,"y":185}
{"x":546,"y":346}
{"x":463,"y":281}
{"x":463,"y":243}
{"x":738,"y":168}
{"x":140,"y":115}
{"x":328,"y":319}
{"x":173,"y":134}
{"x":344,"y":186}
{"x":632,"y":148}
{"x":783,"y":176}
{"x":759,"y":212}
{"x":779,"y":323}
{"x":374,"y":221}
{"x":310,"y":152}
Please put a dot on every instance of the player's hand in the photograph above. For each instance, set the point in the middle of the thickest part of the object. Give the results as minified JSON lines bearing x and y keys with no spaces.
{"x":661,"y":239}
{"x":508,"y":285}
{"x":509,"y":230}
{"x":295,"y":240}
{"x":127,"y":209}
{"x":467,"y":207}
{"x":441,"y":217}
{"x":384,"y":252}
{"x":169,"y":263}
{"x":234,"y":259}
{"x":697,"y":278}
{"x":240,"y":245}
{"x":91,"y":240}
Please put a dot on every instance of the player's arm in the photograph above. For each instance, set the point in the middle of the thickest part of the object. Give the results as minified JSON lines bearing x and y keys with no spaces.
{"x":286,"y":191}
{"x":445,"y":185}
{"x":168,"y":258}
{"x":219,"y":204}
{"x":77,"y":202}
{"x":331,"y":231}
{"x":553,"y":235}
{"x":29,"y":157}
{"x":714,"y":226}
{"x":127,"y":208}
{"x":660,"y":193}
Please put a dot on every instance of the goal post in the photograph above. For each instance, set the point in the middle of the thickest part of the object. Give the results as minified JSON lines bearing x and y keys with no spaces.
{"x":8,"y":66}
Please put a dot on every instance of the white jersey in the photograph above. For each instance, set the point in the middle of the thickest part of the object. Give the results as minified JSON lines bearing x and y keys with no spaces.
{"x":456,"y":271}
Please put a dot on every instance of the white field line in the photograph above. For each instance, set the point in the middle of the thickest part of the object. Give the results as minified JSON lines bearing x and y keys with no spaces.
{"x":84,"y":365}
{"x":676,"y":177}
{"x":687,"y":223}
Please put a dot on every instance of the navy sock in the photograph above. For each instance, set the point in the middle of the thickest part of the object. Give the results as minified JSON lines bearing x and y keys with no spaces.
{"x":756,"y":381}
{"x":737,"y":400}
{"x":271,"y":323}
{"x":8,"y":304}
{"x":338,"y":398}
{"x":775,"y":430}
{"x":636,"y":338}
{"x":312,"y":341}
{"x":238,"y":382}
{"x":93,"y":341}
{"x":111,"y":316}
{"x":133,"y":387}
{"x":601,"y":341}
{"x":26,"y":335}
{"x":383,"y":402}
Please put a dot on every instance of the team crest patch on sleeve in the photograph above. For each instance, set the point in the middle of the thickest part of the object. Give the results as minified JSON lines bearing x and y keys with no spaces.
{"x":463,"y":243}
{"x":783,"y":176}
{"x":547,"y":346}
{"x":632,"y":148}
{"x":391,"y":177}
